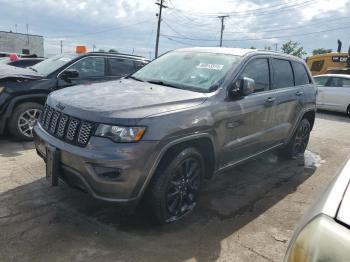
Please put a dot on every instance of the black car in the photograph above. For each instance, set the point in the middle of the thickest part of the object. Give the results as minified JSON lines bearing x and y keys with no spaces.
{"x":23,"y":91}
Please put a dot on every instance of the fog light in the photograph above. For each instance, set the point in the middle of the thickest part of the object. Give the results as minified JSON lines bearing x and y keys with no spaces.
{"x":108,"y":173}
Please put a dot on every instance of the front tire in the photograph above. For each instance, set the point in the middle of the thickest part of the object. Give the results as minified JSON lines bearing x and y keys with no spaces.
{"x":297,"y":146}
{"x":23,"y":119}
{"x":174,"y":189}
{"x":348,"y":111}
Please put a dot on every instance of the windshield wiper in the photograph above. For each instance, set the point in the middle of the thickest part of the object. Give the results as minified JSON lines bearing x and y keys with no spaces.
{"x":135,"y":78}
{"x":162,"y":83}
{"x":33,"y":69}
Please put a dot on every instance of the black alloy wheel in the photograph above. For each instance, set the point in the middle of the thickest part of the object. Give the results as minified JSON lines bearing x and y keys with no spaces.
{"x":183,"y":188}
{"x":302,"y":138}
{"x":173,"y":191}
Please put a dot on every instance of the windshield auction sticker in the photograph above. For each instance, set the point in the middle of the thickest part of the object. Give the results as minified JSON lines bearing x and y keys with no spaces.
{"x":210,"y":66}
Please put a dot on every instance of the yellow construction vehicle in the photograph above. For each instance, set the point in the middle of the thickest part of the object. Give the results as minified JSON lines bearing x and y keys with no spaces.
{"x":330,"y":63}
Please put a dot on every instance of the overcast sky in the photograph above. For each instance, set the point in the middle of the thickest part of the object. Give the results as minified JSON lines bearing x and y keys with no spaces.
{"x":130,"y":25}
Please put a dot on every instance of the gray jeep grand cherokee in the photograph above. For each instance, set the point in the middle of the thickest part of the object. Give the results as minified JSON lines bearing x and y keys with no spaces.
{"x":187,"y":116}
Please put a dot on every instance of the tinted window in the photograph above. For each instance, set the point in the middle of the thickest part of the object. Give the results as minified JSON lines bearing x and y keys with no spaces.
{"x":258,"y":70}
{"x":321,"y":80}
{"x":346,"y":82}
{"x":24,"y":63}
{"x":301,"y":75}
{"x":140,"y":64}
{"x":90,"y":67}
{"x":282,"y":74}
{"x":317,"y":65}
{"x":339,"y":82}
{"x":121,"y":67}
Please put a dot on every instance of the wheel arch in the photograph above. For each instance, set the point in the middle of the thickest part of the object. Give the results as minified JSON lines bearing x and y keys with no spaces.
{"x":203,"y":142}
{"x":310,"y":116}
{"x":37,"y":98}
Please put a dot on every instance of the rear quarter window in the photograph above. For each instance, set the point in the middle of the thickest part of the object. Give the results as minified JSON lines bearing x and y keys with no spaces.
{"x":300,"y":74}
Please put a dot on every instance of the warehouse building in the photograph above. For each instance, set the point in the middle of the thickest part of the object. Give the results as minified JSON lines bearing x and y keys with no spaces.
{"x":21,"y":43}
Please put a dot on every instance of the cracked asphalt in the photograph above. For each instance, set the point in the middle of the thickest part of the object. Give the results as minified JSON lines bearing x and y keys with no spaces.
{"x":247,"y":214}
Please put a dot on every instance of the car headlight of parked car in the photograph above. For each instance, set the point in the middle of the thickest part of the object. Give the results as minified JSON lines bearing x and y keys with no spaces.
{"x":323,"y":239}
{"x":120,"y":134}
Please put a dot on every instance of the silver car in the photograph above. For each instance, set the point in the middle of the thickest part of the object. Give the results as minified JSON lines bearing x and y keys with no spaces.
{"x":323,"y":234}
{"x":333,"y":92}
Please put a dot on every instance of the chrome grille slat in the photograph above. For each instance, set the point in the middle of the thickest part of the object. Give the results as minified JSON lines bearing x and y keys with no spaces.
{"x":84,"y":132}
{"x":71,"y":129}
{"x":48,"y":119}
{"x":43,"y":115}
{"x":54,"y":121}
{"x":62,"y":126}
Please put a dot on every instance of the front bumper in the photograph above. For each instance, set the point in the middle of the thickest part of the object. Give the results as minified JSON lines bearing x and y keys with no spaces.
{"x":85,"y":168}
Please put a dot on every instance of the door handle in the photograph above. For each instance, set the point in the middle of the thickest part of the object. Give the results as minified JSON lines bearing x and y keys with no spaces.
{"x":270,"y":99}
{"x":299,"y":93}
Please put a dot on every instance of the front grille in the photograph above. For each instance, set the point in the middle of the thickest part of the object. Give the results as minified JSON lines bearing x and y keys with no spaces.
{"x":70,"y":129}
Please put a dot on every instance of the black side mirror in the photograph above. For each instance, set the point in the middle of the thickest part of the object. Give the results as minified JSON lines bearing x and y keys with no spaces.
{"x":69,"y":74}
{"x":242,"y":87}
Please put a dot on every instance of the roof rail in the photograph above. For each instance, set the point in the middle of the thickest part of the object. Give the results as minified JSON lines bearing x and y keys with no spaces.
{"x":115,"y":53}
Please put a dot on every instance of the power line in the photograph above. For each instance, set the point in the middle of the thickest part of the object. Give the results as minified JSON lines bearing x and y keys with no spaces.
{"x":289,"y":28}
{"x":254,"y":12}
{"x":260,"y":31}
{"x":105,"y":30}
{"x":261,"y":38}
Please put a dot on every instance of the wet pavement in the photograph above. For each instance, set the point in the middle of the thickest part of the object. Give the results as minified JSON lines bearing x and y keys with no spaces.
{"x":246,"y":214}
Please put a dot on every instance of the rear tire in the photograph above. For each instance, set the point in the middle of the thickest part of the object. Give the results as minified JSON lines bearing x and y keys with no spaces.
{"x":174,"y":189}
{"x":348,"y":111}
{"x":23,"y":119}
{"x":297,"y":145}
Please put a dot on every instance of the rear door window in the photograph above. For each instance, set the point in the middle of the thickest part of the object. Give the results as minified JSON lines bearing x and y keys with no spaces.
{"x":258,"y":70}
{"x":121,"y":67}
{"x":335,"y":82}
{"x":300,"y":74}
{"x":282,"y":73}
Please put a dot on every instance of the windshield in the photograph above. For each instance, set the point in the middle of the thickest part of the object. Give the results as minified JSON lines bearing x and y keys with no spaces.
{"x":197,"y":71}
{"x":50,"y":65}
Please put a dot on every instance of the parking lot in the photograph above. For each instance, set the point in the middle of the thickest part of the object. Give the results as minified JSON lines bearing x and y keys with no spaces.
{"x":247,"y":214}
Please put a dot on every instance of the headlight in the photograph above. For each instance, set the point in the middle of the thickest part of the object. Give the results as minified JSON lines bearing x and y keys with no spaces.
{"x":323,"y":239}
{"x":2,"y":88}
{"x":120,"y":134}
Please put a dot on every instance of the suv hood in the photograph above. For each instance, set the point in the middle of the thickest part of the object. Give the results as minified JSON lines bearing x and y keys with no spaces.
{"x":124,"y":101}
{"x":7,"y":71}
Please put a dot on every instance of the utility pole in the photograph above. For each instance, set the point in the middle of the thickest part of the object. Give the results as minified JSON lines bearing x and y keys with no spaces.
{"x":27,"y":26}
{"x":222,"y":18}
{"x":61,"y":45}
{"x":276,"y":47}
{"x":158,"y":28}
